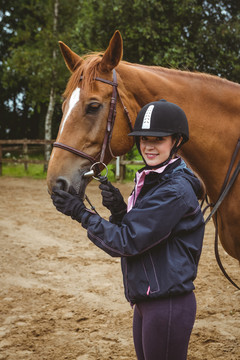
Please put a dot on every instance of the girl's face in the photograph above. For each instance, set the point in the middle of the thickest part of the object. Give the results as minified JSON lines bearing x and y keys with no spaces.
{"x":156,"y":150}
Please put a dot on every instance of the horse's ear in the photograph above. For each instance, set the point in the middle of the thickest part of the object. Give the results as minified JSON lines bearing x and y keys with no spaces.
{"x":113,"y":54}
{"x":71,"y":59}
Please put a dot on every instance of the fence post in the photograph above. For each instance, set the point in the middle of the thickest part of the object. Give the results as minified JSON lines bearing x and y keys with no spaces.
{"x":0,"y":160}
{"x":117,"y":173}
{"x":122,"y":169}
{"x":25,"y":154}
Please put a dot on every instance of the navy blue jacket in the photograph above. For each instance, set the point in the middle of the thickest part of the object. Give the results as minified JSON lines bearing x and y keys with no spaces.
{"x":160,"y":238}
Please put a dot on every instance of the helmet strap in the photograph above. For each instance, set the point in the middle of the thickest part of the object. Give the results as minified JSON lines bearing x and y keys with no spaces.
{"x":176,"y":147}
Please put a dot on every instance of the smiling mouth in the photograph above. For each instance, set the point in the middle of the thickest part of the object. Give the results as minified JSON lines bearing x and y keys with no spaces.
{"x":151,"y":155}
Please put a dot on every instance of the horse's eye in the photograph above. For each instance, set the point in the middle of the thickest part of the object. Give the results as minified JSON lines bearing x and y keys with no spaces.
{"x":93,"y":107}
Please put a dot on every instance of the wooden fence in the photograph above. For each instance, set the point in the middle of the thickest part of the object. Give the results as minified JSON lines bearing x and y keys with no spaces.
{"x":24,"y":148}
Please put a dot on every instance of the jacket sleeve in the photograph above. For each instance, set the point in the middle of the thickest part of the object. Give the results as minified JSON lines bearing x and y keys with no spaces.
{"x":142,"y":228}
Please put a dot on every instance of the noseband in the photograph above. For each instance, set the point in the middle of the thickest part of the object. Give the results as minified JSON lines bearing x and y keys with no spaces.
{"x":109,"y":128}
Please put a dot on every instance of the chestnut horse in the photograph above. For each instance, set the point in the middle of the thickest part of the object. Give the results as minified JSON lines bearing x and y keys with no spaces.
{"x":212,"y":106}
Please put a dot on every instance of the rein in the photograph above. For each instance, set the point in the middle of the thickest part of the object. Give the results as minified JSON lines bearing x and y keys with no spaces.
{"x":110,"y":124}
{"x":227,"y":184}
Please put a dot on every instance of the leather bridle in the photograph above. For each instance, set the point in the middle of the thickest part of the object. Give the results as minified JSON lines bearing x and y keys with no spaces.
{"x":110,"y":124}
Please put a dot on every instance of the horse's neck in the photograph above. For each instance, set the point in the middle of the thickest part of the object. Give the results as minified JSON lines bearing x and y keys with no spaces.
{"x":210,"y":103}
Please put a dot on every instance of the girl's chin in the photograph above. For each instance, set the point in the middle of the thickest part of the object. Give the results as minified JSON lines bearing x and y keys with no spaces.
{"x":153,"y":162}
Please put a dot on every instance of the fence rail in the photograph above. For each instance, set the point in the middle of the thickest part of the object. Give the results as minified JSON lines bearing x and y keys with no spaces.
{"x":22,"y":146}
{"x":26,"y":141}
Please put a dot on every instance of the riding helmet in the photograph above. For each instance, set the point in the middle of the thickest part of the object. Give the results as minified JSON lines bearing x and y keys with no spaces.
{"x":161,"y":118}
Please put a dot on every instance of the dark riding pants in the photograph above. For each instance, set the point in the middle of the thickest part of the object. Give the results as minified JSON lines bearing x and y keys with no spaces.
{"x":162,"y":327}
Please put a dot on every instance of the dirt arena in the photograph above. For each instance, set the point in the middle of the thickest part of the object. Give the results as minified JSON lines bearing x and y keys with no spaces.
{"x":62,"y":298}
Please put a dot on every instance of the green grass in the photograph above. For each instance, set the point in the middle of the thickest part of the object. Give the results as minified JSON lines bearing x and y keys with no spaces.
{"x":35,"y":171}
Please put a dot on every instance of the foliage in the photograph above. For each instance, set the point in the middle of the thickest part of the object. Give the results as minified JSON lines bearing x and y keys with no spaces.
{"x":133,"y":154}
{"x":191,"y":34}
{"x":202,"y":35}
{"x":27,"y":65}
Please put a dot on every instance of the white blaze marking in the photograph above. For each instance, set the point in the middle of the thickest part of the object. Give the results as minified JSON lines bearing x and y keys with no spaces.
{"x":147,"y":118}
{"x":72,"y":102}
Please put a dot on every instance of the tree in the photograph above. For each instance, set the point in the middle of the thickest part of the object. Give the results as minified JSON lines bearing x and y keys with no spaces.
{"x":29,"y":50}
{"x":202,"y":35}
{"x":52,"y":98}
{"x":198,"y":35}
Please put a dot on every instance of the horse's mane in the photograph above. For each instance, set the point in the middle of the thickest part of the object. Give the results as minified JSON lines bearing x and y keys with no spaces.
{"x":87,"y":69}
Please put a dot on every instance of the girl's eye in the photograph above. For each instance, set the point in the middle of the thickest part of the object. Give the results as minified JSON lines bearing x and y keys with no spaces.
{"x":145,"y":138}
{"x":93,"y":107}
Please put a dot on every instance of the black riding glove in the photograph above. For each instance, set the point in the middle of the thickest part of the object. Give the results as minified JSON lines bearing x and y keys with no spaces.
{"x":112,"y":199}
{"x":69,"y":203}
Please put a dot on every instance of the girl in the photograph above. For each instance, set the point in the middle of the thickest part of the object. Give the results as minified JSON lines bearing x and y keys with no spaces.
{"x":158,"y":236}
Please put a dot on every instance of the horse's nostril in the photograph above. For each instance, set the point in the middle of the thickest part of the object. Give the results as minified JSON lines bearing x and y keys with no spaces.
{"x":62,"y":184}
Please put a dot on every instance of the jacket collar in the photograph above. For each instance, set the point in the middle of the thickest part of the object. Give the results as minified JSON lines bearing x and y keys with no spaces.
{"x":150,"y":176}
{"x":172,"y":164}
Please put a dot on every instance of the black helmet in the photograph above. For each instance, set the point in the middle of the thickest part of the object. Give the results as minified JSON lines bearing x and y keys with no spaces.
{"x":161,"y":118}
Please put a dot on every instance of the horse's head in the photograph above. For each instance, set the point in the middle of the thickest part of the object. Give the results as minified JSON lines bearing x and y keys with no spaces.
{"x":89,"y":131}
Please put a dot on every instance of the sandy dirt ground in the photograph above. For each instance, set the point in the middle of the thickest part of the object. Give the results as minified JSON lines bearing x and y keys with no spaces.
{"x":62,"y":298}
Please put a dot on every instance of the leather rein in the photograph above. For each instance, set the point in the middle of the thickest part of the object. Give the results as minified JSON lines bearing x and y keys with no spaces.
{"x":110,"y":124}
{"x":227,"y":184}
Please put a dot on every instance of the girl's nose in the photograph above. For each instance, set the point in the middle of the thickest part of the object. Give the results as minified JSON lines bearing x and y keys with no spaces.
{"x":149,"y":145}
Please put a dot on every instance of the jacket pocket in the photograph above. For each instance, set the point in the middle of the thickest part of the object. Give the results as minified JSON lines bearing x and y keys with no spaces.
{"x":151,"y":274}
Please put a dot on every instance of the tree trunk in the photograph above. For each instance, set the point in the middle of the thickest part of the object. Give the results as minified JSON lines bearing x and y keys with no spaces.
{"x":52,"y":97}
{"x":48,"y":126}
